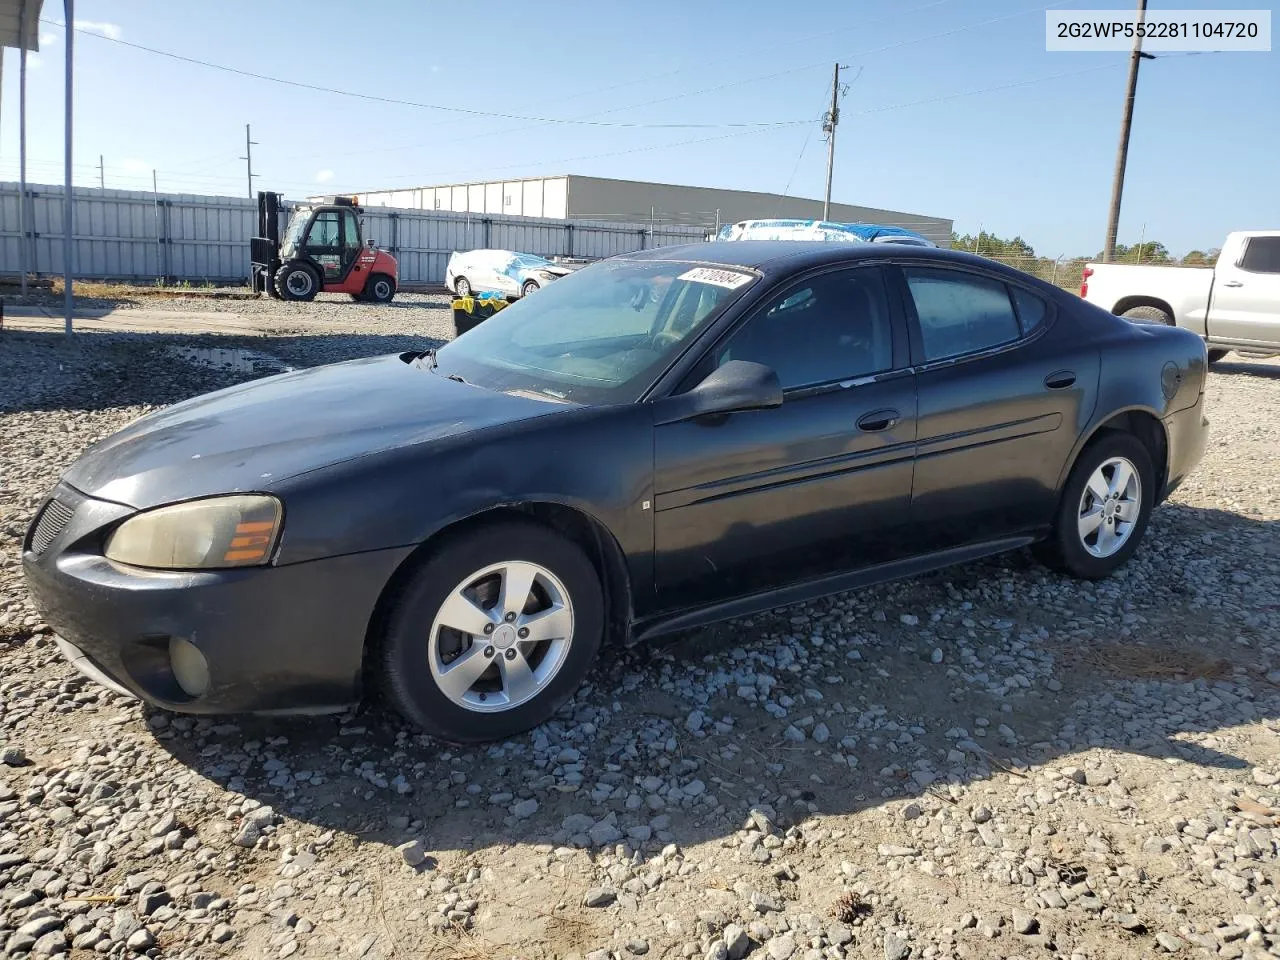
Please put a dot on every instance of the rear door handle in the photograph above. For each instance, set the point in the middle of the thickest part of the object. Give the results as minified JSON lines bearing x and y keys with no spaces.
{"x":878,"y":420}
{"x":1060,"y":379}
{"x":1232,"y":283}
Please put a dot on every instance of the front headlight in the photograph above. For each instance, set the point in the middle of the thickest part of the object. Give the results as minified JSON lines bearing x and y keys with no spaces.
{"x":234,"y":531}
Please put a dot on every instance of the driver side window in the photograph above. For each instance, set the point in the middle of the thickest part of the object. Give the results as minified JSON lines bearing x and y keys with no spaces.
{"x":835,"y":326}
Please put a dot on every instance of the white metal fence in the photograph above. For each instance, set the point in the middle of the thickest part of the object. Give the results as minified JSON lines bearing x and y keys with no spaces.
{"x":140,"y":236}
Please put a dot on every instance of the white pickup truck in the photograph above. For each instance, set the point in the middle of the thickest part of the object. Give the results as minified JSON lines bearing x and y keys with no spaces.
{"x":1234,"y":306}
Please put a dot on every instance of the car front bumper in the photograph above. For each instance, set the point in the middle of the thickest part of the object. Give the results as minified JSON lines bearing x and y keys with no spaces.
{"x":286,"y":639}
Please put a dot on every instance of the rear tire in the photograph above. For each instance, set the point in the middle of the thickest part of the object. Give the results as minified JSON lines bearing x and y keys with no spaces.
{"x":512,"y":680}
{"x":1115,"y":522}
{"x":462,"y":286}
{"x":1216,"y":355}
{"x":530,"y":287}
{"x":297,"y":282}
{"x":1148,"y":315}
{"x":379,"y":288}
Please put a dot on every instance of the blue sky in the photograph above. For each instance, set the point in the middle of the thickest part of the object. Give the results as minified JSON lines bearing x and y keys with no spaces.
{"x":1034,"y":157}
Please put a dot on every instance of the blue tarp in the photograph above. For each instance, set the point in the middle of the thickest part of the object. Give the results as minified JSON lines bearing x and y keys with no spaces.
{"x":825,"y":230}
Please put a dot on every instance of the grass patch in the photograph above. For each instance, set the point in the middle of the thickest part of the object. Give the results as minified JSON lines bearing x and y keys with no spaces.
{"x":1172,"y":662}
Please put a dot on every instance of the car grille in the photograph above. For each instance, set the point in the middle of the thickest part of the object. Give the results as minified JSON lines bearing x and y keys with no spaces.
{"x":52,"y":521}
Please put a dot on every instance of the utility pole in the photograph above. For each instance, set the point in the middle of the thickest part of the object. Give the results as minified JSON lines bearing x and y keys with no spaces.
{"x":829,"y":122}
{"x":248,"y":158}
{"x":1122,"y":151}
{"x":102,"y":174}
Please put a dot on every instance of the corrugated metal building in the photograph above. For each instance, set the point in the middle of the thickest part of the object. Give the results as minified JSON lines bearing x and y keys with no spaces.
{"x":572,"y":197}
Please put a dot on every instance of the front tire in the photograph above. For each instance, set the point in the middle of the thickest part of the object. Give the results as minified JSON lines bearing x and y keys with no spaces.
{"x":1148,"y":315}
{"x":530,"y":287}
{"x":1106,"y":504}
{"x":493,"y":633}
{"x":461,"y":287}
{"x":297,"y":282}
{"x":379,"y":288}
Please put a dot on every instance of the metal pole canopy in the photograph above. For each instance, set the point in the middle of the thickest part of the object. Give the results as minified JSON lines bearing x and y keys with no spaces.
{"x":22,"y":149}
{"x":68,"y":249}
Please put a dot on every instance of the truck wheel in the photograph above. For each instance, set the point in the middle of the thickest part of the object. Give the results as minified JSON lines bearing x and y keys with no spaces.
{"x":1105,"y":506}
{"x":297,"y":282}
{"x":1216,"y":355}
{"x":1148,"y":315}
{"x":461,"y":287}
{"x":379,"y":288}
{"x":493,"y":633}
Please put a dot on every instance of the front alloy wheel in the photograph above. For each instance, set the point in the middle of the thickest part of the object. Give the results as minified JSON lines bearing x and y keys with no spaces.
{"x":498,"y":651}
{"x":501,"y":636}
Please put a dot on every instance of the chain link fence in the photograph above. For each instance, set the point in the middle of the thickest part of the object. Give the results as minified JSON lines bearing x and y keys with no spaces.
{"x":1064,"y":272}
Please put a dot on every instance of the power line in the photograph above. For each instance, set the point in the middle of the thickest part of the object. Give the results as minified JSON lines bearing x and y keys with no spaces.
{"x":395,"y":101}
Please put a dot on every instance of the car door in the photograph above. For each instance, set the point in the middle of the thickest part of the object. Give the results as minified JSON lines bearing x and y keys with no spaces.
{"x":749,"y":501}
{"x":1004,"y":392}
{"x":1246,"y":295}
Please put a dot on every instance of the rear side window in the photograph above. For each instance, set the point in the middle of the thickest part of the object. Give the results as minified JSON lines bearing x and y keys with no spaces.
{"x":1261,"y":255}
{"x":1031,"y":309}
{"x":960,"y":313}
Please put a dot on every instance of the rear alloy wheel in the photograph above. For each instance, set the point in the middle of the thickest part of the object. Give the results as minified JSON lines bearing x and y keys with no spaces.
{"x":379,"y":288}
{"x":297,"y":282}
{"x":461,"y":286}
{"x":1104,"y":510}
{"x":498,"y":650}
{"x":530,"y":286}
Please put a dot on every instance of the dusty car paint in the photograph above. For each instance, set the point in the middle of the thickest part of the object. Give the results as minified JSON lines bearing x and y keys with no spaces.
{"x":692,"y":520}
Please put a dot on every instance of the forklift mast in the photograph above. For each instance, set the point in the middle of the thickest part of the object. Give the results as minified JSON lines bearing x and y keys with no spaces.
{"x":264,"y":249}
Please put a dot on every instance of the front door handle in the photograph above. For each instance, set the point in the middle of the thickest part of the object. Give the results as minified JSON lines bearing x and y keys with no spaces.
{"x":878,"y":420}
{"x":1232,"y":283}
{"x":1060,"y":379}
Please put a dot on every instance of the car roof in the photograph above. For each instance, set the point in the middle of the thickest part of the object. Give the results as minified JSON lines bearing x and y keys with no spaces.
{"x":788,"y":256}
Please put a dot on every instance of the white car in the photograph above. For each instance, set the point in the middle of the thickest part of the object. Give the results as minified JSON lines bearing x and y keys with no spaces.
{"x":1234,"y":306}
{"x":503,"y":272}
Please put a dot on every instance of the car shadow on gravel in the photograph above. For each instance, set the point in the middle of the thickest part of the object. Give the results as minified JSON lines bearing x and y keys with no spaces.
{"x":900,"y":691}
{"x":1243,"y":368}
{"x":99,"y":371}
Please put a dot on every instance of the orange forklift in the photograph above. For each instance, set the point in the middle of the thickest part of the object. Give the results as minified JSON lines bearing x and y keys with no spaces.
{"x":322,"y":252}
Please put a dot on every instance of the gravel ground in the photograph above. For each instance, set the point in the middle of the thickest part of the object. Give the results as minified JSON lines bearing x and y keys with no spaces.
{"x":993,"y":761}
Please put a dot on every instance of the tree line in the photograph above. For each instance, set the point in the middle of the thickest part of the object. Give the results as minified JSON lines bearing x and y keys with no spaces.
{"x":1149,"y":251}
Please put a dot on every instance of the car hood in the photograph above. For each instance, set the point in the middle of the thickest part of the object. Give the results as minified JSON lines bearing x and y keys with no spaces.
{"x":252,"y":436}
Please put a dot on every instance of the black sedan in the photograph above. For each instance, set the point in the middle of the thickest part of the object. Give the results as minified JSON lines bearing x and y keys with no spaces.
{"x":656,"y":442}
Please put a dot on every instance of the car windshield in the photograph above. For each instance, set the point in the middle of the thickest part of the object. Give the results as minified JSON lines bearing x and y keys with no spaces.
{"x":530,"y":260}
{"x":293,"y":234}
{"x":600,"y":335}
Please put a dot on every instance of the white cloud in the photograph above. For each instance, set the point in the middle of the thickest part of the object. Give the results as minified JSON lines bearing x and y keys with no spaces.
{"x":111,"y":31}
{"x":134,"y":165}
{"x":324,"y":176}
{"x":47,"y":38}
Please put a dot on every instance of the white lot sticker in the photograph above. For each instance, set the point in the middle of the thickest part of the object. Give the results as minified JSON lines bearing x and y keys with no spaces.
{"x":730,"y":279}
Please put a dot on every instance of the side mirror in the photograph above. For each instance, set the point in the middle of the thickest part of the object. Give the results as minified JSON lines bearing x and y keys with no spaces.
{"x":734,"y":387}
